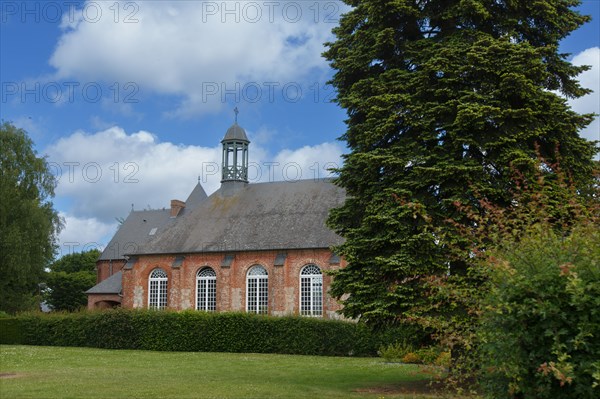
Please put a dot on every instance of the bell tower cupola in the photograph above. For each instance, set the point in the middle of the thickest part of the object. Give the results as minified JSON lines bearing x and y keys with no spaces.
{"x":235,"y":154}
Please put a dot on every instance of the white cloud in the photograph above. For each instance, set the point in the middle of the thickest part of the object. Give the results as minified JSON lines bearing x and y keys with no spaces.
{"x":82,"y":234}
{"x":33,"y":127}
{"x":183,"y":47}
{"x":589,"y":79}
{"x":103,"y":173}
{"x":309,"y":162}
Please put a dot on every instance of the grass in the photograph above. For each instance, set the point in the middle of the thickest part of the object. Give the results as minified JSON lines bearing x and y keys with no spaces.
{"x":57,"y":372}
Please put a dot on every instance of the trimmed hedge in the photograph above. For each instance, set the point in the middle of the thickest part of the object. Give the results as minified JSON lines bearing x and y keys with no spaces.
{"x":199,"y":331}
{"x":10,"y":331}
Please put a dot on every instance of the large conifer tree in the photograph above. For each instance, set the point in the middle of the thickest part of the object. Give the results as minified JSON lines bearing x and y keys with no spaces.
{"x":446,"y":99}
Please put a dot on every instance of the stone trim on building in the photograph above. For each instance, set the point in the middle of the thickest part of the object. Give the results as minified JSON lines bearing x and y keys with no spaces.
{"x":283,"y":288}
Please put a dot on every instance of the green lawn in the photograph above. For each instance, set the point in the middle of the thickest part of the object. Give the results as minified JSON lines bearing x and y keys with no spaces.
{"x":56,"y":372}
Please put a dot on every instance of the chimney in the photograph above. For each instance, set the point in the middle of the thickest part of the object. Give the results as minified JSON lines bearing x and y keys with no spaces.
{"x":176,"y":207}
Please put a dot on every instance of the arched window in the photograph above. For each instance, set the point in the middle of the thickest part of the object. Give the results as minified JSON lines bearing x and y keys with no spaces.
{"x":206,"y":290}
{"x":257,"y":290}
{"x":311,"y":291}
{"x":157,"y":289}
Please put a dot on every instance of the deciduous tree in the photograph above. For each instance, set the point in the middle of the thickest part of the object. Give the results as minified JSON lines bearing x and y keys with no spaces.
{"x":69,"y":278}
{"x":28,"y":223}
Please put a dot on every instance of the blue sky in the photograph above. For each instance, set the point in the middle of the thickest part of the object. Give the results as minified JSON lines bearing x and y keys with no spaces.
{"x":129,"y":100}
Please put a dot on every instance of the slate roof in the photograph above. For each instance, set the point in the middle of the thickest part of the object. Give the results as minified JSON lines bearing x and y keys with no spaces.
{"x":136,"y":229}
{"x":112,"y":285}
{"x":195,"y":198}
{"x":261,"y":216}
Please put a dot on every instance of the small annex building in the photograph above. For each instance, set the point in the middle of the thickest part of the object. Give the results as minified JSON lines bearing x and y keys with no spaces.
{"x":261,"y":247}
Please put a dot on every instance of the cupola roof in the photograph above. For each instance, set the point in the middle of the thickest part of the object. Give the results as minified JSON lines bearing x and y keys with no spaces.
{"x":235,"y":133}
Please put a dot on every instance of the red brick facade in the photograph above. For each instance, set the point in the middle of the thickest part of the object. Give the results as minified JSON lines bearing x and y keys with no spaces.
{"x":106,"y":268}
{"x":283,"y":281}
{"x":103,"y":301}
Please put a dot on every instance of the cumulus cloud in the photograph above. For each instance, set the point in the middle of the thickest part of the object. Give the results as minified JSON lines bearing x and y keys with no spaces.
{"x":105,"y":172}
{"x":589,"y":79}
{"x":309,"y":162}
{"x":192,"y":48}
{"x":82,"y":234}
{"x":102,"y":174}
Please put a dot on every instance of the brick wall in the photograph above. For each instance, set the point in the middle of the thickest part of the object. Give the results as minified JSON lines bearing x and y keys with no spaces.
{"x":103,"y":301}
{"x":284,"y":281}
{"x":106,"y":268}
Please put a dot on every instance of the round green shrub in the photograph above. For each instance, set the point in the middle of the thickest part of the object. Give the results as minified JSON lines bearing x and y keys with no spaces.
{"x":540,"y":329}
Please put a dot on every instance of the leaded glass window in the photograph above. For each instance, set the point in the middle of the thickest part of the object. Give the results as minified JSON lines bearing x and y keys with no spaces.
{"x":157,"y":289}
{"x":206,"y":290}
{"x":257,"y":290}
{"x":311,"y":291}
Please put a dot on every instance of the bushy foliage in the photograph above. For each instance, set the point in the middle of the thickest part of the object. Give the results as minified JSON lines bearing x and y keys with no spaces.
{"x":84,"y":261}
{"x":199,"y":331}
{"x":444,"y":359}
{"x":29,"y":224}
{"x":69,"y":278}
{"x":540,"y":326}
{"x":429,"y":355}
{"x":66,"y":291}
{"x":526,"y":316}
{"x":412,"y":358}
{"x":10,"y":331}
{"x":406,"y":353}
{"x":394,"y":352}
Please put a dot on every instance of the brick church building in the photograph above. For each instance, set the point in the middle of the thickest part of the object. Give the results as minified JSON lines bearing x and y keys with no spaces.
{"x":260,"y":248}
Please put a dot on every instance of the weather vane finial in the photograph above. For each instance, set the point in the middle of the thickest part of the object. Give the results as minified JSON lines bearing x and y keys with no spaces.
{"x":236,"y":111}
